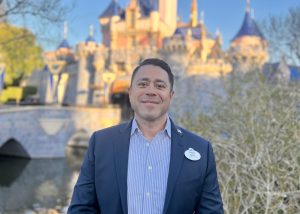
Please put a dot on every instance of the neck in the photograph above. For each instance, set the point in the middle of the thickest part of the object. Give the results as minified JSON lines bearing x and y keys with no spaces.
{"x":151,"y":128}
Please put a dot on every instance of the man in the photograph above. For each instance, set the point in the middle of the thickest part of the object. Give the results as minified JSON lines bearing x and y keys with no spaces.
{"x":149,"y":165}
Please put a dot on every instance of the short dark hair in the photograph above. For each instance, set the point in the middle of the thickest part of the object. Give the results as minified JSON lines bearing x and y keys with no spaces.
{"x":156,"y":62}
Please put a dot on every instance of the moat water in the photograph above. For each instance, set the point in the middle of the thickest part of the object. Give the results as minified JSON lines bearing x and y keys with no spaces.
{"x":38,"y":185}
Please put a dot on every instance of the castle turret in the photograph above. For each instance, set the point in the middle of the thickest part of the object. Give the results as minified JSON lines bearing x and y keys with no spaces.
{"x":168,"y":11}
{"x":204,"y":49}
{"x":111,"y":15}
{"x":216,"y":51}
{"x":154,"y":16}
{"x":112,"y":10}
{"x":248,"y":49}
{"x":64,"y":45}
{"x":87,"y":75}
{"x":194,"y":14}
{"x":64,"y":51}
{"x":90,"y":39}
{"x":114,"y":19}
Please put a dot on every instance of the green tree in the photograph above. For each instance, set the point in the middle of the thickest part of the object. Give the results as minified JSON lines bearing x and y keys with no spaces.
{"x":44,"y":18}
{"x":20,"y":53}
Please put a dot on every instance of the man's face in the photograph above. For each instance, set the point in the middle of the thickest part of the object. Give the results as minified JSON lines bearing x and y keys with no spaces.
{"x":150,"y":93}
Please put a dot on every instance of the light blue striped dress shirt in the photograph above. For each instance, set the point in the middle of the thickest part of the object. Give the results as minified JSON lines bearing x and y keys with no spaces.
{"x":148,"y":168}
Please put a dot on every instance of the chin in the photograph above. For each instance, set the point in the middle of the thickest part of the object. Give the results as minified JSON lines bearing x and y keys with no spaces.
{"x":149,"y":117}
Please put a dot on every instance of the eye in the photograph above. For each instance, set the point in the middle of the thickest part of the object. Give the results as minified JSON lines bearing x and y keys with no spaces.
{"x":142,"y":84}
{"x":160,"y":86}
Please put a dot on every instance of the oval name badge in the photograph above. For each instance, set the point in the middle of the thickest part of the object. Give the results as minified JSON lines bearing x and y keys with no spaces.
{"x":192,"y":154}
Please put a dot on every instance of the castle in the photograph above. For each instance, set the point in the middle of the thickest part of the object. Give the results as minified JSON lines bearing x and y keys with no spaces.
{"x":98,"y":74}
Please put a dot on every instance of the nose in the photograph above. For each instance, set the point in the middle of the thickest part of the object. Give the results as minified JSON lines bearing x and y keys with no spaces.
{"x":151,"y":90}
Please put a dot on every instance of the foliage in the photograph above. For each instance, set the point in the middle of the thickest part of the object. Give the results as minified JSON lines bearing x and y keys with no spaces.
{"x":17,"y":94}
{"x":255,"y":133}
{"x":29,"y":90}
{"x":43,"y":17}
{"x":12,"y":93}
{"x":21,"y":55}
{"x":47,"y":11}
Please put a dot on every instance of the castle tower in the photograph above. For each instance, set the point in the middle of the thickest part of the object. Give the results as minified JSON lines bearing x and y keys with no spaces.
{"x":168,"y":12}
{"x":204,"y":49}
{"x":86,"y":70}
{"x":216,"y":51}
{"x":111,"y":14}
{"x":155,"y":16}
{"x":90,"y":39}
{"x":64,"y":51}
{"x":57,"y":61}
{"x":248,"y":49}
{"x":132,"y":16}
{"x":194,"y":14}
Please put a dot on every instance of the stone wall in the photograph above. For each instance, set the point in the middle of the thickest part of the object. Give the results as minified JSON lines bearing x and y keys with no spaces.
{"x":44,"y":132}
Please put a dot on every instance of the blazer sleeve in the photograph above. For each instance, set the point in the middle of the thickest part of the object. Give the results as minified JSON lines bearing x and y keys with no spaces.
{"x":210,"y":200}
{"x":84,"y":199}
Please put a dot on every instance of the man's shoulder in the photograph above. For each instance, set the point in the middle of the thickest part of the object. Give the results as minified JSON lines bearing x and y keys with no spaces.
{"x":114,"y":129}
{"x":191,"y":136}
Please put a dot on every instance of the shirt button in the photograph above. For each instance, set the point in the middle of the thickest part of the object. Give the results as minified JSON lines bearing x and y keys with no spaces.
{"x":147,"y":144}
{"x":149,"y":167}
{"x":148,"y":194}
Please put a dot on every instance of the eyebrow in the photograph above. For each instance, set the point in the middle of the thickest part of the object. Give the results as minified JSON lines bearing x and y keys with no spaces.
{"x":143,"y":79}
{"x":148,"y":80}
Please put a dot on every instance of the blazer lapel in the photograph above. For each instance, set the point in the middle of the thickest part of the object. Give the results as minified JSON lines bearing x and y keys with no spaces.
{"x":177,"y":157}
{"x":121,"y":146}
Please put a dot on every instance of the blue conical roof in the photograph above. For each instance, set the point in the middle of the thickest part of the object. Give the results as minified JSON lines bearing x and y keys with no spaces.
{"x":178,"y":32}
{"x":249,"y":28}
{"x":90,"y":39}
{"x":147,"y":6}
{"x":196,"y":32}
{"x":64,"y":44}
{"x":113,"y":9}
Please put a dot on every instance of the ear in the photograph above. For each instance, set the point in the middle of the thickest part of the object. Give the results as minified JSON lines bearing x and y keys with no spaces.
{"x":171,"y":94}
{"x":129,"y":90}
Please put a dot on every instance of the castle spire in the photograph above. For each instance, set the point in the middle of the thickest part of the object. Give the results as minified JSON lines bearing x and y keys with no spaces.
{"x":202,"y":17}
{"x":155,"y":5}
{"x":64,"y":43}
{"x":91,"y":31}
{"x":218,"y":32}
{"x":194,"y":14}
{"x":253,"y":14}
{"x":202,"y":27}
{"x":248,"y":6}
{"x":90,"y":37}
{"x":65,"y":30}
{"x":116,"y":9}
{"x":219,"y":36}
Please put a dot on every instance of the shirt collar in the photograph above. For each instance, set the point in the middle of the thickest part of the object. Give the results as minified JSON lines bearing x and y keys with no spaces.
{"x":134,"y":127}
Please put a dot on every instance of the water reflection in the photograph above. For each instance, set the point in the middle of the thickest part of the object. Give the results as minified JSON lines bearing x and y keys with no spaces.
{"x":38,"y":184}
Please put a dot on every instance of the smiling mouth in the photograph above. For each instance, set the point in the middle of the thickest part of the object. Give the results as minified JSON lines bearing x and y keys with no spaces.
{"x":150,"y":101}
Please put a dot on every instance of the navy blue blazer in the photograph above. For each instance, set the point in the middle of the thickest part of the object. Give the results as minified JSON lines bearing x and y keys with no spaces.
{"x":102,"y":184}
